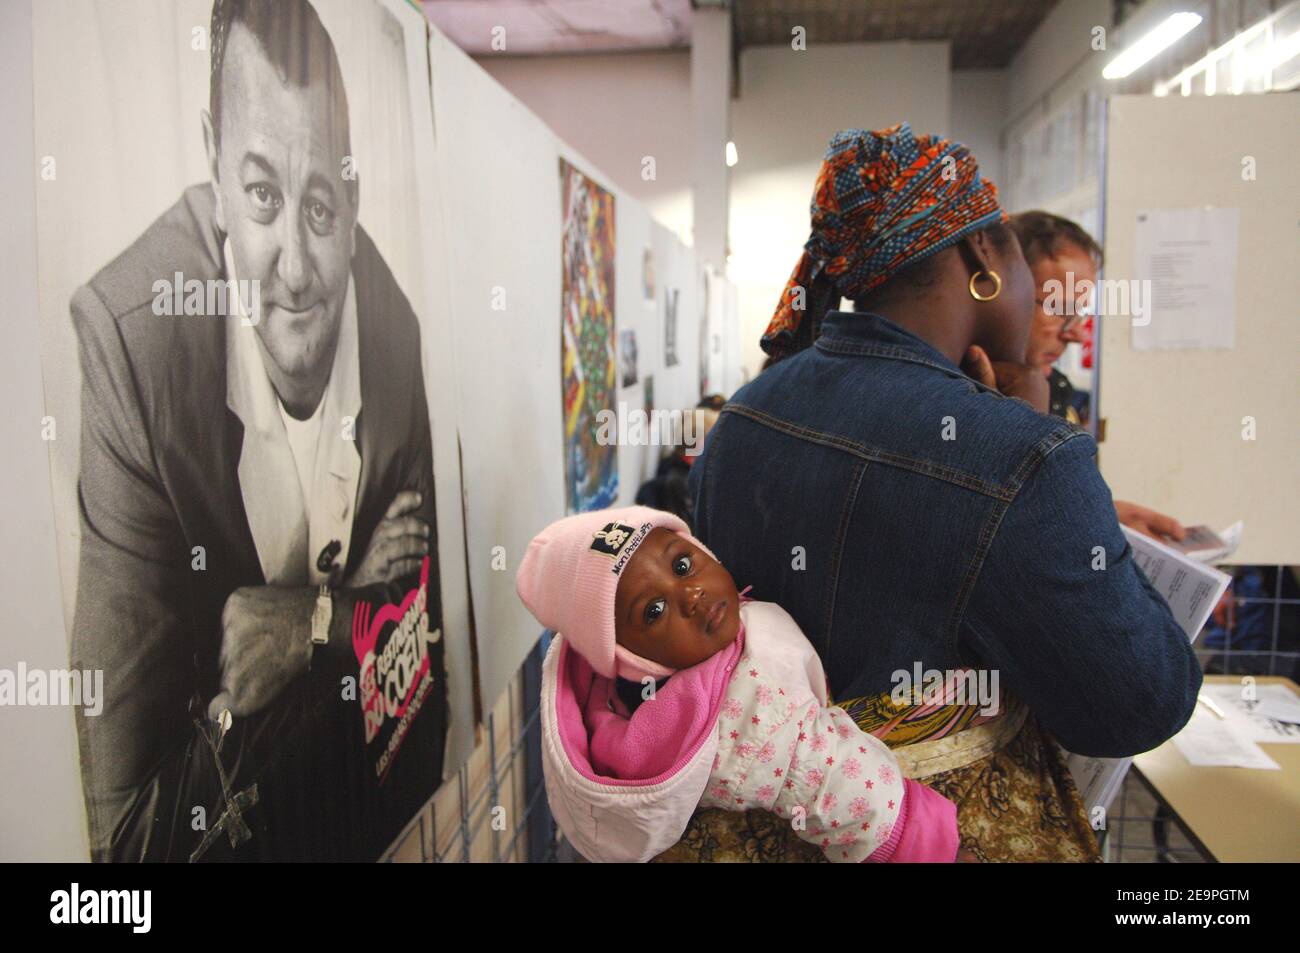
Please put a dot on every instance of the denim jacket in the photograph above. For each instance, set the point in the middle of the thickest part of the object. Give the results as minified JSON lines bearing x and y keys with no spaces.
{"x":903,"y":513}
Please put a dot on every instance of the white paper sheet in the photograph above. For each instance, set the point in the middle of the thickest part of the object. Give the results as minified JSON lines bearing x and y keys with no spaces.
{"x":1098,"y":779}
{"x":1277,"y":702}
{"x":1210,"y":741}
{"x":1268,"y":719}
{"x":1192,"y":589}
{"x":1189,"y":256}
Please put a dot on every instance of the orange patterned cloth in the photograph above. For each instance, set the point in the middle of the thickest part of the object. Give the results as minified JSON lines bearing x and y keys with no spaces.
{"x":883,"y":200}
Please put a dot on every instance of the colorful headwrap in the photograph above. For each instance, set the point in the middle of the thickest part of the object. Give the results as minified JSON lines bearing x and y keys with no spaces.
{"x":883,"y":201}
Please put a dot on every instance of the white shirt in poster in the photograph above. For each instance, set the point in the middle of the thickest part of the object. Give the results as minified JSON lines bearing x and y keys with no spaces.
{"x":304,"y":438}
{"x":298,"y":479}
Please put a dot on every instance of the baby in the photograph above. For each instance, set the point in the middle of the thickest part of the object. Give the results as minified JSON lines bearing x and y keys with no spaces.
{"x":666,"y":690}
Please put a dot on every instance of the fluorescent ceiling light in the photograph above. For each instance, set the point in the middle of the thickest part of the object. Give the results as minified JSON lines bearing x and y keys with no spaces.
{"x":1161,"y":38}
{"x":1285,"y":49}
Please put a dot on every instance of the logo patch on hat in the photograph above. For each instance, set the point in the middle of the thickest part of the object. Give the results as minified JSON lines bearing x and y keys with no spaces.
{"x":619,"y":541}
{"x":611,"y":540}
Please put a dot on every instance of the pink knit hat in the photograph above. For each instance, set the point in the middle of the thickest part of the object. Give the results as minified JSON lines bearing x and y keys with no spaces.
{"x":569,"y":575}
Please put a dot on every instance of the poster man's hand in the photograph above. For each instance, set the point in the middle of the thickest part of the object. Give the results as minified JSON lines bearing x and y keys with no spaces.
{"x":398,"y":545}
{"x":265,"y":644}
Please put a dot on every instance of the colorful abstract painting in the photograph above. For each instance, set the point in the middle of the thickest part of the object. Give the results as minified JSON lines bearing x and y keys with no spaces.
{"x":587,"y":300}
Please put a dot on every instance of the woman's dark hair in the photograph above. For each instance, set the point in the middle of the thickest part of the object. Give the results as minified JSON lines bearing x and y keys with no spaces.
{"x":291,"y":36}
{"x":921,"y":275}
{"x":711,"y":402}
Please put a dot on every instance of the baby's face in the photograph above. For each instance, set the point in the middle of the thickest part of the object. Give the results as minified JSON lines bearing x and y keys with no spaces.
{"x":676,"y":604}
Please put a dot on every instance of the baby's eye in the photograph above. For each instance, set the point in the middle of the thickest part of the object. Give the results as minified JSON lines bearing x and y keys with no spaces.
{"x":682,"y":565}
{"x":654,"y":609}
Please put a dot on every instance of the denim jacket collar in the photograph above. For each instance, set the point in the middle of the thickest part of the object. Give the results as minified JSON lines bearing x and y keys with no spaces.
{"x":870,"y":335}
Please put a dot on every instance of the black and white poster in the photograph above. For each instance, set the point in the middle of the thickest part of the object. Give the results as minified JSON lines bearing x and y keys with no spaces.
{"x":234,"y":320}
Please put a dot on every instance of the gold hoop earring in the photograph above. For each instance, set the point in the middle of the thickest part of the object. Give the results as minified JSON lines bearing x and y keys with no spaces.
{"x":997,"y":285}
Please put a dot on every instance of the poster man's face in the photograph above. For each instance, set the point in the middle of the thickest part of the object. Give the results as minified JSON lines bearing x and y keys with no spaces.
{"x":281,"y":198}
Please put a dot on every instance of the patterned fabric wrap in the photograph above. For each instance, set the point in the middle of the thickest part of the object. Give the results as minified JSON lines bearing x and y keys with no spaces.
{"x":883,"y":200}
{"x":1018,"y":804}
{"x":900,"y":723}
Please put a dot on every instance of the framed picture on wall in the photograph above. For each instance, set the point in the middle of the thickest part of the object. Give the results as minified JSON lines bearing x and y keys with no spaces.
{"x":627,"y":357}
{"x":670,"y":326}
{"x":587,"y":313}
{"x":648,"y":276}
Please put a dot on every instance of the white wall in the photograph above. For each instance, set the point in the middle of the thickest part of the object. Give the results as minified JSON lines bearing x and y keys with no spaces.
{"x":1175,"y":417}
{"x":1053,"y":97}
{"x":977,"y":108}
{"x":41,"y":813}
{"x":1055,"y":50}
{"x":616,"y":109}
{"x":790,"y":104}
{"x":497,"y":146}
{"x":711,"y":78}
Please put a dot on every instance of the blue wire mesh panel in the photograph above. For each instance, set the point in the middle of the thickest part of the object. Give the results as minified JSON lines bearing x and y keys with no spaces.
{"x":495,"y":807}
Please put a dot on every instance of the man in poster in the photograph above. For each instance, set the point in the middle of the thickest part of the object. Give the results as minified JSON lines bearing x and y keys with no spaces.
{"x":256,"y":493}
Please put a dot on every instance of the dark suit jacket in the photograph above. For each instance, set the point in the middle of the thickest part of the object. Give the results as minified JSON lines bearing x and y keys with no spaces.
{"x":159,"y":476}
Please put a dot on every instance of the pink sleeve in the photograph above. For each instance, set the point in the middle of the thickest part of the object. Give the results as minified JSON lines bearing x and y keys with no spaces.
{"x":926,"y":830}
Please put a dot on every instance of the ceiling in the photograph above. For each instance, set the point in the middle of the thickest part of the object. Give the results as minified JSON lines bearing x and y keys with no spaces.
{"x":533,"y":27}
{"x":985,"y":34}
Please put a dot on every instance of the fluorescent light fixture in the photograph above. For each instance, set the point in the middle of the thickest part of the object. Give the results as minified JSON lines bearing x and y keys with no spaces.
{"x":732,"y":156}
{"x":1285,"y":49}
{"x":1175,"y":27}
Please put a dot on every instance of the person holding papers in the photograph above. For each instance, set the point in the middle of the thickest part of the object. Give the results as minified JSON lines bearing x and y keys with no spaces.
{"x":1060,"y":251}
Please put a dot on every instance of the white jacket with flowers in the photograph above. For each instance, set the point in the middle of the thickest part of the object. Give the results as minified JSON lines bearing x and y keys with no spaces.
{"x":768,"y":741}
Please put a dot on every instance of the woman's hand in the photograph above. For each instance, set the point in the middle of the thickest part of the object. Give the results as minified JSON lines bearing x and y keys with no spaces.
{"x":1014,"y":380}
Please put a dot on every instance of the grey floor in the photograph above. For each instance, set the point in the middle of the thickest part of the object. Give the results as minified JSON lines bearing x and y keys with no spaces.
{"x":1131,"y":834}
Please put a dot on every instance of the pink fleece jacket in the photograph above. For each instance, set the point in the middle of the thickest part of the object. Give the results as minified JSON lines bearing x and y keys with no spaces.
{"x":747,"y":728}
